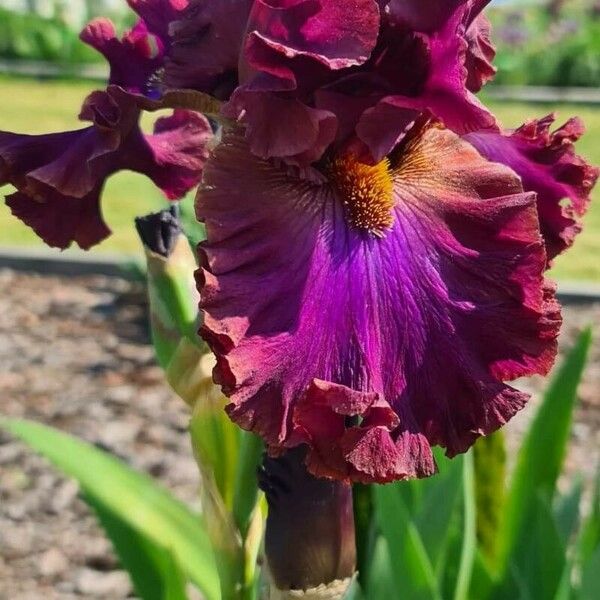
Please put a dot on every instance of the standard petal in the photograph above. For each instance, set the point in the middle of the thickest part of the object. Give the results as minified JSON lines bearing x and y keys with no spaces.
{"x":435,"y":68}
{"x":158,"y":14}
{"x":423,"y":15}
{"x":548,"y":165}
{"x":337,"y":33}
{"x":207,"y":38}
{"x":445,"y":91}
{"x":430,"y":318}
{"x":306,"y":135}
{"x":480,"y":54}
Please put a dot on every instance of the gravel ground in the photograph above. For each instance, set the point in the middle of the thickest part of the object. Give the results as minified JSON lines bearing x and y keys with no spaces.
{"x":75,"y":354}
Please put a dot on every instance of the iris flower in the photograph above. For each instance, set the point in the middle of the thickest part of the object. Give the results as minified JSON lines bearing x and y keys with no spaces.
{"x":374,"y":269}
{"x":377,"y":245}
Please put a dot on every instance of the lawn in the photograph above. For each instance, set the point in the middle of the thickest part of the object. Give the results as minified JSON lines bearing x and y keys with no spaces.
{"x":32,"y":107}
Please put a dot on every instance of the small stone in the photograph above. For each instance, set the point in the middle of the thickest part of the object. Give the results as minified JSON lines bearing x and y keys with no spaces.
{"x":64,"y":496}
{"x":15,"y":480}
{"x":52,"y":563}
{"x":15,"y":540}
{"x":102,"y":585}
{"x":16,"y":512}
{"x":121,"y":394}
{"x":67,"y":587}
{"x":118,"y":433}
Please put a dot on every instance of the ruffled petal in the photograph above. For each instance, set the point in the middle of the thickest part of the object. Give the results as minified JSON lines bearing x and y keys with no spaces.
{"x":365,"y":452}
{"x":178,"y":150}
{"x":207,"y":38}
{"x":292,"y":48}
{"x":548,"y":165}
{"x":315,"y":323}
{"x":133,"y":59}
{"x":445,"y":91}
{"x":60,"y":220}
{"x":428,"y":61}
{"x":423,"y":15}
{"x":59,"y":177}
{"x":158,"y":14}
{"x":480,"y":54}
{"x":337,"y":33}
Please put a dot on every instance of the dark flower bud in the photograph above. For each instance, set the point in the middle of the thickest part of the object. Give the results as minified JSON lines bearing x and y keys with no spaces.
{"x":160,"y":231}
{"x":309,"y":541}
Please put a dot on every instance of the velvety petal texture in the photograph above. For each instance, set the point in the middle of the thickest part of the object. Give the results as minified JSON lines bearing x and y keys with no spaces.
{"x":290,"y":48}
{"x":337,"y":33}
{"x":445,"y":89}
{"x":59,"y":177}
{"x":207,"y":38}
{"x":480,"y":54}
{"x":371,"y":348}
{"x":548,"y":164}
{"x":159,"y":14}
{"x":133,"y":59}
{"x":372,"y":66}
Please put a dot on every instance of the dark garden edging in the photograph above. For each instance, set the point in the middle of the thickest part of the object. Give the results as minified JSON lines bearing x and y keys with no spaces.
{"x":530,"y":93}
{"x":49,"y":70}
{"x":47,"y":262}
{"x":74,"y":263}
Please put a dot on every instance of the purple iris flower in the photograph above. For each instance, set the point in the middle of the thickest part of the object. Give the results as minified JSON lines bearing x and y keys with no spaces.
{"x":373,"y":275}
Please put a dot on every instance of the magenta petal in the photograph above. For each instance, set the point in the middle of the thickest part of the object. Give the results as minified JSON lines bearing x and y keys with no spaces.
{"x":384,"y":126}
{"x":423,"y":15}
{"x":62,"y":161}
{"x":304,"y":138}
{"x":337,"y":33}
{"x":428,"y":320}
{"x":133,"y":59}
{"x":59,"y":177}
{"x":444,"y":90}
{"x":548,"y":165}
{"x":207,"y":38}
{"x":366,"y":452}
{"x":158,"y":14}
{"x":480,"y":54}
{"x":60,"y":220}
{"x":178,"y":151}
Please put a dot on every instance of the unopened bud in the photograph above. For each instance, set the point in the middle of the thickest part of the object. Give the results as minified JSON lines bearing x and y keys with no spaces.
{"x":160,"y":231}
{"x":174,"y":302}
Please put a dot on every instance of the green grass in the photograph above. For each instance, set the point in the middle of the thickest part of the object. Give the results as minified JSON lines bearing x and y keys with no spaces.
{"x":32,"y":107}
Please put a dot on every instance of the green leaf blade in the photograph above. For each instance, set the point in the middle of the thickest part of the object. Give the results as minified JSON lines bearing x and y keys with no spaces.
{"x":409,"y":560}
{"x":542,"y":453}
{"x":153,"y":569}
{"x":135,"y":498}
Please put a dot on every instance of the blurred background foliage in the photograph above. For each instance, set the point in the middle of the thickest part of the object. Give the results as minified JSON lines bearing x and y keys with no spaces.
{"x":553,"y":43}
{"x":48,"y":30}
